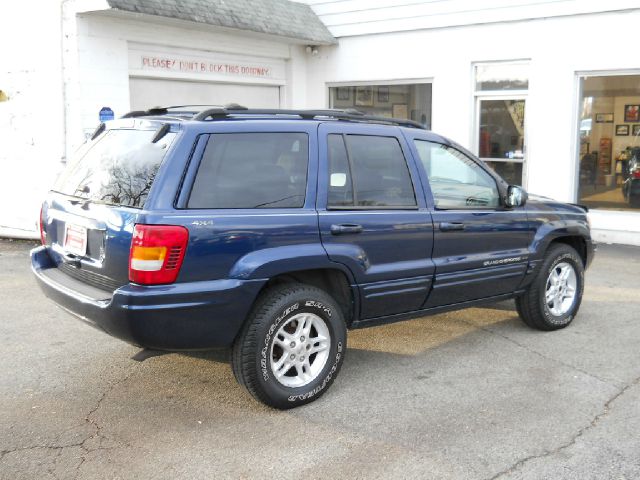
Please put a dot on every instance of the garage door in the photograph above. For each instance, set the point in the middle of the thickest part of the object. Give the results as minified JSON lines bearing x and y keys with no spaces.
{"x":146,"y":93}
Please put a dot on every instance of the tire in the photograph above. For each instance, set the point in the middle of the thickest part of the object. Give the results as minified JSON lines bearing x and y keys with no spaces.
{"x":559,"y":261}
{"x":275,"y":333}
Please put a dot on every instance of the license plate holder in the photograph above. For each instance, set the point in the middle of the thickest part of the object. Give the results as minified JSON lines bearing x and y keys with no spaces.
{"x":75,"y":240}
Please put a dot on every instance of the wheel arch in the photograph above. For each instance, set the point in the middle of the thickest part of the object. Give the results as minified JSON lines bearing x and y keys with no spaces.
{"x":331,"y":280}
{"x":577,"y":242}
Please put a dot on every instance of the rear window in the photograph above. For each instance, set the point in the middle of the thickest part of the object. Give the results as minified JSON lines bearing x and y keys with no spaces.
{"x":252,"y":170}
{"x":118,"y":169}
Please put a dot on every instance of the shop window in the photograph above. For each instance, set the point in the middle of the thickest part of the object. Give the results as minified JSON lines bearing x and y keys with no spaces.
{"x":501,"y":91}
{"x":609,"y":142}
{"x":409,"y":102}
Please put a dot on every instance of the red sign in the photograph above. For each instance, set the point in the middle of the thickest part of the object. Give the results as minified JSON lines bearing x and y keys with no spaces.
{"x":194,"y":66}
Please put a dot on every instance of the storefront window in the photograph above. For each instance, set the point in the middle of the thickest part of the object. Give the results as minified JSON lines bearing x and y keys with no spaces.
{"x":502,"y":137}
{"x":411,"y":102}
{"x":502,"y":76}
{"x":609,"y":126}
{"x":501,"y":90}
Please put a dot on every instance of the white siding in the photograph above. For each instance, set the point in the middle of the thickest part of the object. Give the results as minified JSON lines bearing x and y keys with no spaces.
{"x":557,"y":49}
{"x":360,"y":17}
{"x":31,"y":120}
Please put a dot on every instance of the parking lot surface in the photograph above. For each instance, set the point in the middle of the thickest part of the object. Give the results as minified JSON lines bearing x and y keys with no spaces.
{"x":469,"y":394}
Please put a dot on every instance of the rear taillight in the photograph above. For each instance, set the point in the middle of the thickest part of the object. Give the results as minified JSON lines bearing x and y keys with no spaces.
{"x":43,"y":231}
{"x":635,"y":173}
{"x":156,"y":253}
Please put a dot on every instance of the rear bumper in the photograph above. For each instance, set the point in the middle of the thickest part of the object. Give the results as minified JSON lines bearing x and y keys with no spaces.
{"x":181,"y":316}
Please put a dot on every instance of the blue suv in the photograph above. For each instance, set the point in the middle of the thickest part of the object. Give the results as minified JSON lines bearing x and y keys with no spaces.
{"x":275,"y":231}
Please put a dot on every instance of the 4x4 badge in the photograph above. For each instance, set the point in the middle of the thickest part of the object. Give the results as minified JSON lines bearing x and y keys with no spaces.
{"x":202,"y":223}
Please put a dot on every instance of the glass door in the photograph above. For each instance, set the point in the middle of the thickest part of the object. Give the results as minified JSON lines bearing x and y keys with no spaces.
{"x":501,"y":91}
{"x":501,"y":135}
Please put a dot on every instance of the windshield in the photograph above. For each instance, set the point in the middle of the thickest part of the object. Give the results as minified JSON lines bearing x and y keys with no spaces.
{"x":118,"y":169}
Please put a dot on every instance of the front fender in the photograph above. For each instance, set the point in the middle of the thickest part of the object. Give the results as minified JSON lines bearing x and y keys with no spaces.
{"x":549,"y":231}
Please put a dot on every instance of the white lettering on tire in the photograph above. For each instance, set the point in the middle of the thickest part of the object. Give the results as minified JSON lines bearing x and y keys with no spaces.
{"x":267,"y":339}
{"x":327,"y":379}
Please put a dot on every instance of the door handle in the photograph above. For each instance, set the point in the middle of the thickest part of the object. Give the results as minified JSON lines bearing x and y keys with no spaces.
{"x":447,"y":227}
{"x":346,"y":228}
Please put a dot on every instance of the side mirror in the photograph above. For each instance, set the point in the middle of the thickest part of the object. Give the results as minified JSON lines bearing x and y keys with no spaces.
{"x":516,"y":196}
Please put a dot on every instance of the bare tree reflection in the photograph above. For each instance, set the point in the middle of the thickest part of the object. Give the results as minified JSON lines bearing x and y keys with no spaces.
{"x":126,"y":187}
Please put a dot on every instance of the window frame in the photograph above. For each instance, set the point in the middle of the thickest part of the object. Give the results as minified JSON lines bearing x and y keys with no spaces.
{"x":515,"y":94}
{"x":478,"y":162}
{"x":343,"y":135}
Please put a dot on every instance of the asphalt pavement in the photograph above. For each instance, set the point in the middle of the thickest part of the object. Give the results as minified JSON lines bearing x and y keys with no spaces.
{"x":473,"y":394}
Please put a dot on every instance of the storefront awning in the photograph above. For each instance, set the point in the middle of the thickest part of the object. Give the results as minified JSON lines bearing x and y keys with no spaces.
{"x":273,"y":17}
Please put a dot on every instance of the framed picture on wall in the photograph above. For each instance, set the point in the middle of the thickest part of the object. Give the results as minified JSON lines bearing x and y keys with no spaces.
{"x":343,"y":93}
{"x":604,"y":117}
{"x":400,"y":110}
{"x":364,"y":96}
{"x":622,"y":130}
{"x":383,"y":94}
{"x":632,"y":113}
{"x":635,"y":130}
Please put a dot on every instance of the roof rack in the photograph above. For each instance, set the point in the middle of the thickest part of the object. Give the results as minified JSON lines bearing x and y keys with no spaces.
{"x":234,"y":111}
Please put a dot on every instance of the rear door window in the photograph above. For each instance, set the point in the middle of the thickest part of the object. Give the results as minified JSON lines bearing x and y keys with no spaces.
{"x":252,"y":170}
{"x":368,"y":171}
{"x":118,"y":169}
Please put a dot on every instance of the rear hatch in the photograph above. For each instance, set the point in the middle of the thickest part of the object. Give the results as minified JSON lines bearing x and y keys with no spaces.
{"x":89,"y":216}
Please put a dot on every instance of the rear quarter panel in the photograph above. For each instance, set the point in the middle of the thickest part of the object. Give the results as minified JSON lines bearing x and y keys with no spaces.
{"x":238,"y":243}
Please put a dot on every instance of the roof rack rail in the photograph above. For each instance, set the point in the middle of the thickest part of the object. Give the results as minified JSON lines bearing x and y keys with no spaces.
{"x":218,"y":113}
{"x":187,"y":109}
{"x":234,"y":110}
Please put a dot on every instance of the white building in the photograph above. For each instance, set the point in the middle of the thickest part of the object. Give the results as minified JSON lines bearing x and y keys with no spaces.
{"x":545,"y":91}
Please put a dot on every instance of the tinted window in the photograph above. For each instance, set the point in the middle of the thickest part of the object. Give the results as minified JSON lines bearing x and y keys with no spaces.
{"x":340,"y":185}
{"x":371,"y":172}
{"x":456,"y":181}
{"x":118,"y":169}
{"x":252,"y":170}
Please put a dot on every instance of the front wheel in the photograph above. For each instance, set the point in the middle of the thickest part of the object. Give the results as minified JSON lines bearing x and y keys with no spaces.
{"x":292,"y":346}
{"x":553,"y":299}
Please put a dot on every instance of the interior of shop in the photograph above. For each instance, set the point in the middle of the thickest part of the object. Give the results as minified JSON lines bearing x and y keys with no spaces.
{"x":501,"y":137}
{"x":412,"y":102}
{"x":609,"y":174}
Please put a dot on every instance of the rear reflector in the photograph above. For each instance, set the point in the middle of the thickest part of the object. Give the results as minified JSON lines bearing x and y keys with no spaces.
{"x":156,"y":253}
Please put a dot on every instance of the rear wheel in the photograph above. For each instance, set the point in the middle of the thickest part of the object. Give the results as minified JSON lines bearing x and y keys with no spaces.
{"x":292,"y":346}
{"x":554,"y":297}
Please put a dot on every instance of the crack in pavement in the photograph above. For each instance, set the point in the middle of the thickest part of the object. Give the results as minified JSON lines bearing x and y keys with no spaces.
{"x":97,"y":432}
{"x":36,"y":447}
{"x":542,"y":355}
{"x":572,"y":441}
{"x":621,"y":390}
{"x":96,"y":426}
